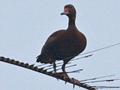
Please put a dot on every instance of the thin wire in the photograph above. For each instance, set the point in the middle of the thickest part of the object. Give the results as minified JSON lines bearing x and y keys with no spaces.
{"x":101,"y":48}
{"x":82,"y":57}
{"x":109,"y":80}
{"x":75,"y":71}
{"x":66,"y":67}
{"x":102,"y":87}
{"x":97,"y":78}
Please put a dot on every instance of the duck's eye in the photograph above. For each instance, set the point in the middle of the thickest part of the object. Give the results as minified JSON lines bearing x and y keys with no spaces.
{"x":71,"y":7}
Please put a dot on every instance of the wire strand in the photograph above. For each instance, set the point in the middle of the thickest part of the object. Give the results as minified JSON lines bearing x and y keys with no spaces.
{"x":101,"y":48}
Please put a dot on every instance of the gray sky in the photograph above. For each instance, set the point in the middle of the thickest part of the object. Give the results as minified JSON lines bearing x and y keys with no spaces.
{"x":26,"y":24}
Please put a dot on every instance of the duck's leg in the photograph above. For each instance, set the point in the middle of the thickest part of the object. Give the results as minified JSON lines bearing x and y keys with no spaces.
{"x":63,"y":69}
{"x":65,"y":74}
{"x":55,"y":73}
{"x":54,"y":66}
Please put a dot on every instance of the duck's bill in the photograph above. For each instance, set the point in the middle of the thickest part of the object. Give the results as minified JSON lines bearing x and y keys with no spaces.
{"x":63,"y":13}
{"x":66,"y":12}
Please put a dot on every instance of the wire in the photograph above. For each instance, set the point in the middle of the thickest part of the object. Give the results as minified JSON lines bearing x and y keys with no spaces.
{"x":101,"y":48}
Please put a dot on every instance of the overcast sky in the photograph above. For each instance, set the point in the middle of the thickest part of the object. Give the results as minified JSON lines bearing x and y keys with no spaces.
{"x":26,"y":24}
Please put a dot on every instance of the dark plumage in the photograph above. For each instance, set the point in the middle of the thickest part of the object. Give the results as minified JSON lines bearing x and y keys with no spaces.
{"x":63,"y":44}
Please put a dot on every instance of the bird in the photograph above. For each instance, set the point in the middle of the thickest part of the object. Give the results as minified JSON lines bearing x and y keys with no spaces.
{"x":63,"y":44}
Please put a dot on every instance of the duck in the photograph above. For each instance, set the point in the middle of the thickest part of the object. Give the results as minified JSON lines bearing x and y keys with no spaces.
{"x":63,"y":44}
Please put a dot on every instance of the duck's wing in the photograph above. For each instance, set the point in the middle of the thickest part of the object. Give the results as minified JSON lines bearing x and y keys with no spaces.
{"x":53,"y":37}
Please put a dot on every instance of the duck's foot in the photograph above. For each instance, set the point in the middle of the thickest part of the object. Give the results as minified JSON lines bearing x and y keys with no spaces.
{"x":74,"y":81}
{"x":61,"y":74}
{"x":56,"y":75}
{"x":66,"y":77}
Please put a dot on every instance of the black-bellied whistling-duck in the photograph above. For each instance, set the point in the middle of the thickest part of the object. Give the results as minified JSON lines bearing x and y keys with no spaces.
{"x":63,"y":44}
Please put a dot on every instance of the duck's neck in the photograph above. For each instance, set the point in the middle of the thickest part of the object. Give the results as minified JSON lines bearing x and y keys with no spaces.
{"x":71,"y":23}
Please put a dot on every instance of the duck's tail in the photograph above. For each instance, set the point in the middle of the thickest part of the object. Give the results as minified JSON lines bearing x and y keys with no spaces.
{"x":44,"y":59}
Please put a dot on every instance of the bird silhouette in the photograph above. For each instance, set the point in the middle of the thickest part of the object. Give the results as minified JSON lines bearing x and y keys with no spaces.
{"x":63,"y":44}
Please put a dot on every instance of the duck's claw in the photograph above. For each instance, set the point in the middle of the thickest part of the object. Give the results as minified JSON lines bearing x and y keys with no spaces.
{"x":74,"y":81}
{"x":61,"y":74}
{"x":56,"y":75}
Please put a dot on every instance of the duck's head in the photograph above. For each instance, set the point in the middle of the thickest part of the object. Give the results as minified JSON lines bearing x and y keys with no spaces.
{"x":70,"y":11}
